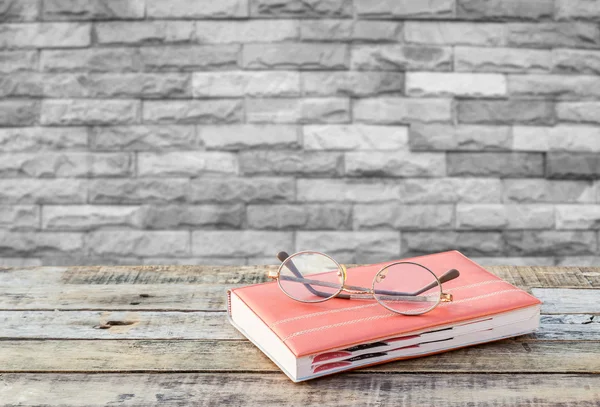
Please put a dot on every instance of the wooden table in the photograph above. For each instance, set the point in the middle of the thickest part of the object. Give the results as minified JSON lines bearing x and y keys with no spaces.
{"x":139,"y":336}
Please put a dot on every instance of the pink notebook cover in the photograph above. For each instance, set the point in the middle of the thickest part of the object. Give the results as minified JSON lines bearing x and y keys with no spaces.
{"x":307,"y":329}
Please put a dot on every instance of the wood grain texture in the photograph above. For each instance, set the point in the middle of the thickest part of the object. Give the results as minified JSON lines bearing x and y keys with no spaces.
{"x":205,"y":356}
{"x":205,"y":325}
{"x":139,"y":336}
{"x":568,"y":301}
{"x":353,"y":389}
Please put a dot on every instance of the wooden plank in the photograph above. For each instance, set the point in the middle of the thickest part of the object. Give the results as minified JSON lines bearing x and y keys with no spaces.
{"x":568,"y":327}
{"x":115,"y":297}
{"x":215,"y":356}
{"x":139,"y":275}
{"x":533,"y":276}
{"x":568,"y":301}
{"x":204,"y":325}
{"x":523,"y":276}
{"x":354,"y":389}
{"x":115,"y":325}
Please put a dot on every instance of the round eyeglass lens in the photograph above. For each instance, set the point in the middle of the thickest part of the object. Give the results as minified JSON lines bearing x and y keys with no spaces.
{"x":407,"y":288}
{"x":310,"y":277}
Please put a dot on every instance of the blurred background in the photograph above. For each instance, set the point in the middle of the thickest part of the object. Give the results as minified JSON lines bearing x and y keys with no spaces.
{"x":220,"y":132}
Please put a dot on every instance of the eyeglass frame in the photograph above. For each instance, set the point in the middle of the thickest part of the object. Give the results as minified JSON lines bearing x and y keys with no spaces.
{"x":355,"y":292}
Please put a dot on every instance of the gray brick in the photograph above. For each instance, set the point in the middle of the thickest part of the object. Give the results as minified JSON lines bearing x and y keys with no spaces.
{"x":89,"y":217}
{"x":354,"y":137}
{"x":503,"y":165}
{"x":468,"y":243}
{"x":144,"y":32}
{"x":496,"y":216}
{"x":395,"y":164}
{"x":20,"y":262}
{"x":514,"y":261}
{"x":45,"y":35}
{"x":193,"y":111}
{"x":178,"y":216}
{"x":93,"y":9}
{"x":89,"y":111}
{"x":580,"y":112}
{"x":301,"y":8}
{"x":451,"y":190}
{"x":501,"y":9}
{"x":16,"y":61}
{"x":295,"y":56}
{"x":240,"y":84}
{"x":541,"y":190}
{"x":291,"y":163}
{"x":481,"y":59}
{"x":240,"y":244}
{"x":506,"y":111}
{"x":197,"y":9}
{"x":391,"y":57}
{"x":137,"y":191}
{"x":19,"y":10}
{"x":133,"y":138}
{"x":19,"y":112}
{"x":455,"y":84}
{"x":17,"y":217}
{"x":37,"y":138}
{"x":559,"y":138}
{"x":21,"y":85}
{"x":35,"y":243}
{"x":435,"y":190}
{"x":357,"y":84}
{"x":306,"y":110}
{"x":302,"y":217}
{"x":576,"y":61}
{"x":403,"y":217}
{"x":232,"y":189}
{"x":134,"y":85}
{"x":138,"y":243}
{"x":585,"y":261}
{"x":578,"y":217}
{"x":573,"y":166}
{"x":189,"y":58}
{"x":346,"y":190}
{"x":402,"y":110}
{"x":405,"y":8}
{"x":65,"y":165}
{"x":185,"y":163}
{"x":81,"y":259}
{"x":549,"y":243}
{"x":248,"y":136}
{"x":217,"y":261}
{"x":352,"y":247}
{"x":577,"y":9}
{"x":351,"y":30}
{"x":235,"y":32}
{"x":554,"y":86}
{"x":552,"y":35}
{"x":440,"y":137}
{"x":454,"y":33}
{"x":58,"y":191}
{"x":42,"y":138}
{"x":90,"y":60}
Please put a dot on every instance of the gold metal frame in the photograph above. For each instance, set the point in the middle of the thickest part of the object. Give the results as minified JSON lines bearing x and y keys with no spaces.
{"x":362,"y":292}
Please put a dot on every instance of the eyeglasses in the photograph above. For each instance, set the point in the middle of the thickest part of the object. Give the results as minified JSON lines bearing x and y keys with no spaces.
{"x":403,"y":287}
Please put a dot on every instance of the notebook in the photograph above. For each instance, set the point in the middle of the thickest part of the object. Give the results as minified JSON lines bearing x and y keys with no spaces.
{"x":311,"y":340}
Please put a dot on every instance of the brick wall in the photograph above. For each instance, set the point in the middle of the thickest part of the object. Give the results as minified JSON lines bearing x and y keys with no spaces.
{"x":205,"y":131}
